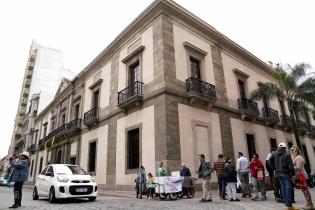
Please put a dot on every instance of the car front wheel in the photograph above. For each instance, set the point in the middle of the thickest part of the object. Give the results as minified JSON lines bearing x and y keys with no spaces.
{"x":51,"y":196}
{"x":92,"y":198}
{"x":35,"y":194}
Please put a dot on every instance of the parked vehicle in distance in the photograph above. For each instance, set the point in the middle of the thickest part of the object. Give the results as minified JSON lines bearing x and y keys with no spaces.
{"x":61,"y":181}
{"x":5,"y":182}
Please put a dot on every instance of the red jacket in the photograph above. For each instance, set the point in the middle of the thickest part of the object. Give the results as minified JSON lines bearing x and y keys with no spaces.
{"x":254,"y":166}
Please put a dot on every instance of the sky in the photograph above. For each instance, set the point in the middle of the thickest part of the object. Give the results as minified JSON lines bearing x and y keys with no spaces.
{"x":278,"y":31}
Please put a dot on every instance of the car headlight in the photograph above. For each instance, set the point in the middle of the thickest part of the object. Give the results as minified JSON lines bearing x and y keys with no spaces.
{"x":62,"y":179}
{"x":92,"y":180}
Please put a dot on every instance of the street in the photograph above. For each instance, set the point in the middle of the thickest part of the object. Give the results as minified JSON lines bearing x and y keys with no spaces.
{"x":114,"y":202}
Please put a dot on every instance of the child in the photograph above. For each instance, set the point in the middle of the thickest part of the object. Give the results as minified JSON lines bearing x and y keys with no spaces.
{"x":230,"y":178}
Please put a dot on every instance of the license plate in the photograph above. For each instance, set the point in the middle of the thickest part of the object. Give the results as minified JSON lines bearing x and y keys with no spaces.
{"x":81,"y":190}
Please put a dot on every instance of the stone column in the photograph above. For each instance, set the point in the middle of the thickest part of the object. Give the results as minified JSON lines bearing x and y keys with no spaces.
{"x":224,"y":116}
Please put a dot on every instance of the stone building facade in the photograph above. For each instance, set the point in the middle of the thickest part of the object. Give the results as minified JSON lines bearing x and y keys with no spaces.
{"x":168,"y":88}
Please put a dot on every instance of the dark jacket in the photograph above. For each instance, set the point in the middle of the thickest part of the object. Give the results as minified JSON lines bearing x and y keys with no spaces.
{"x":205,"y":170}
{"x":185,"y":172}
{"x":281,"y":162}
{"x":229,"y":173}
{"x":20,"y":170}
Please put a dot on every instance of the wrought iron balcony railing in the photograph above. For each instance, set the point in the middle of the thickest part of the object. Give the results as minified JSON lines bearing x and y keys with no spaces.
{"x":286,"y":120}
{"x":76,"y":123}
{"x":133,"y":90}
{"x":91,"y":116}
{"x":302,"y":126}
{"x":199,"y":86}
{"x":56,"y":132}
{"x":270,"y":113}
{"x":247,"y":104}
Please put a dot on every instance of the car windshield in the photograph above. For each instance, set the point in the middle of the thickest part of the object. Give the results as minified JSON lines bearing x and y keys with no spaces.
{"x":70,"y":170}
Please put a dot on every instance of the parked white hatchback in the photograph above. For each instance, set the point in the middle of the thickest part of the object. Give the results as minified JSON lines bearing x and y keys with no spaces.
{"x":60,"y":181}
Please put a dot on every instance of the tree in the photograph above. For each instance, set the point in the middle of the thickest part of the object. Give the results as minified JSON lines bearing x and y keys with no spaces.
{"x":292,"y":86}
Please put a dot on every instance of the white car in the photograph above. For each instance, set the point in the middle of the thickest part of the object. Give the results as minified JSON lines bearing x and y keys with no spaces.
{"x":60,"y":181}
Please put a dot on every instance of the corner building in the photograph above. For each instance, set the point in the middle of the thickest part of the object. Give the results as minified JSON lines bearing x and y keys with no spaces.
{"x":168,"y":88}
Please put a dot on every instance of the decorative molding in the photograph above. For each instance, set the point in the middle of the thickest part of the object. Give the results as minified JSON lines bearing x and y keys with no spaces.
{"x":95,"y":84}
{"x":193,"y":48}
{"x":240,"y":74}
{"x":136,"y":52}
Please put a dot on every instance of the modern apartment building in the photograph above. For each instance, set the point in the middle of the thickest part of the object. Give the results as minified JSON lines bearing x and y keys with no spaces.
{"x":168,"y":88}
{"x":43,"y":73}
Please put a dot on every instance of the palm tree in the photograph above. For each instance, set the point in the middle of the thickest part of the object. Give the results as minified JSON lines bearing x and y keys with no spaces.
{"x":291,"y":86}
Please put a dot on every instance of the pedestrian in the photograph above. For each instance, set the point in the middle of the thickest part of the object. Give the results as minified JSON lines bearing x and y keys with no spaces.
{"x":141,"y":180}
{"x":219,"y":169}
{"x":204,"y":172}
{"x":301,"y":175}
{"x":257,"y":172}
{"x":151,"y":186}
{"x":19,"y":176}
{"x":242,"y":168}
{"x":185,"y":170}
{"x":161,"y":171}
{"x":231,"y":179}
{"x":281,"y":162}
{"x":272,"y":177}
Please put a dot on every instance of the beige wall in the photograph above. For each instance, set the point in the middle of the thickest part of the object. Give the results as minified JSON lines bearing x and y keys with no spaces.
{"x":261,"y":134}
{"x":197,"y":126}
{"x":100,"y":134}
{"x":182,"y":35}
{"x":103,"y":73}
{"x":230,"y":63}
{"x":146,"y":40}
{"x":146,"y":117}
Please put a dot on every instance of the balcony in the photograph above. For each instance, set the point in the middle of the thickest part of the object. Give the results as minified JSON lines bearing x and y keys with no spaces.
{"x":286,"y":122}
{"x":73,"y":126}
{"x":302,"y":127}
{"x":200,"y":92}
{"x":56,"y":132}
{"x":27,"y":83}
{"x":130,"y":96}
{"x":18,"y":133}
{"x":26,"y":92}
{"x":91,"y":117}
{"x":29,"y":74}
{"x":41,"y":143}
{"x":270,"y":116}
{"x":248,"y":108}
{"x":19,"y":121}
{"x":32,"y":148}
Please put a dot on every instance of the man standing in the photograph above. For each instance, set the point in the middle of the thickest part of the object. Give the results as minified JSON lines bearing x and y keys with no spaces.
{"x":161,"y":171}
{"x":257,"y":172}
{"x":281,"y":162}
{"x":204,"y":172}
{"x":242,"y":168}
{"x":219,"y":169}
{"x":273,"y":179}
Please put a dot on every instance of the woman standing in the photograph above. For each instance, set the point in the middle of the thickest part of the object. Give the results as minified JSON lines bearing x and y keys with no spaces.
{"x":19,"y":176}
{"x":142,"y":180}
{"x":301,"y":181}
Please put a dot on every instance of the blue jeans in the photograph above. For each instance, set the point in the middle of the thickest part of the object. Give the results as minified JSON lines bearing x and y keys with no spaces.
{"x":286,"y":188}
{"x":221,"y":183}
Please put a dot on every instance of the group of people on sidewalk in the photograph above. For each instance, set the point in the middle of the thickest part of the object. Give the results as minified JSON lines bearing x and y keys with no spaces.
{"x":286,"y":170}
